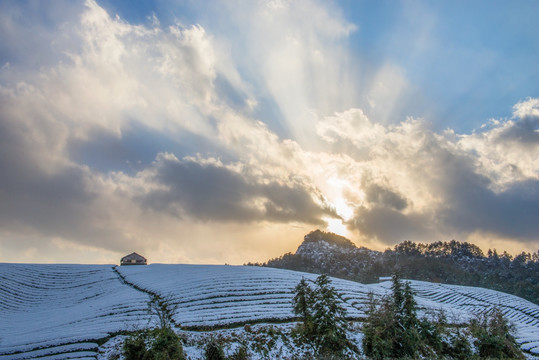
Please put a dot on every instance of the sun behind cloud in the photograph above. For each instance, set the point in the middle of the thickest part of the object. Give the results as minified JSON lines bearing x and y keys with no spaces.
{"x":229,"y":134}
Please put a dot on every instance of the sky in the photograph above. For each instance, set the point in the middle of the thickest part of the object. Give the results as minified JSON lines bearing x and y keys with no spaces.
{"x":224,"y":131}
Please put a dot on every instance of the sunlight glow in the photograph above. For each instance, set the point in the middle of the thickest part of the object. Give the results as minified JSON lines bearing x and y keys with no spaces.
{"x":337,"y":226}
{"x":344,"y":209}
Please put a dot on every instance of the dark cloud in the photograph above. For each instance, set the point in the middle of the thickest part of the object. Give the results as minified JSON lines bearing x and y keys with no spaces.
{"x":389,"y":225}
{"x":468,"y":204}
{"x":46,"y":199}
{"x":213,"y":192}
{"x":471,"y":205}
{"x":135,"y":148}
{"x":524,"y":131}
{"x":376,"y":194}
{"x":511,"y":213}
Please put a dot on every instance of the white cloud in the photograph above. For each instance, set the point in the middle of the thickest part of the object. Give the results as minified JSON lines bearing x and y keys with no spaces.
{"x":506,"y":150}
{"x":431,"y":186}
{"x":352,"y":125}
{"x":164,"y":78}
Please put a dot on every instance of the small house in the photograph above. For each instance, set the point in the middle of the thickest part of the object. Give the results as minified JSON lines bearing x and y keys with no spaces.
{"x":384,"y":278}
{"x":133,"y":259}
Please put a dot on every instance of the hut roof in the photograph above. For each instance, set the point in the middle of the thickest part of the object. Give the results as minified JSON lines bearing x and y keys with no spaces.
{"x":133,"y":256}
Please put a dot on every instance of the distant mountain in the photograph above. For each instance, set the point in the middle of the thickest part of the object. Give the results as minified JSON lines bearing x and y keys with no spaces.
{"x":450,"y":262}
{"x":320,"y":246}
{"x":329,"y":253}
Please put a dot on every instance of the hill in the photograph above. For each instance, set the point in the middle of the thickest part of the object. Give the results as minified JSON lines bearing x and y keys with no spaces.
{"x":77,"y":311}
{"x":451,"y":262}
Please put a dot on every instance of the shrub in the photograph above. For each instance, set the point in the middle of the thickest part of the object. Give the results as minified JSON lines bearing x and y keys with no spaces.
{"x":494,"y":336}
{"x":135,"y":346}
{"x":214,"y":351}
{"x":154,"y":344}
{"x":240,"y":354}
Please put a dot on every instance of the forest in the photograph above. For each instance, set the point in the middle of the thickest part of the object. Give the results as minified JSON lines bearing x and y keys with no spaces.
{"x":449,"y":262}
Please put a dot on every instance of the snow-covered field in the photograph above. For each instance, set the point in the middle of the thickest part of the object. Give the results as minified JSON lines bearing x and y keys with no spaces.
{"x":49,"y":310}
{"x":63,"y":311}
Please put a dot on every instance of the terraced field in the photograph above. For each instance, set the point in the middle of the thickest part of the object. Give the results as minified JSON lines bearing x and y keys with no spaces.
{"x":468,"y":300}
{"x":213,"y":295}
{"x":208,"y":295}
{"x":62,"y":311}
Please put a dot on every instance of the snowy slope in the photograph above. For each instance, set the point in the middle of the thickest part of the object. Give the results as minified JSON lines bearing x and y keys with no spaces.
{"x":212,"y":295}
{"x":209,"y":295}
{"x":472,"y":300}
{"x":61,"y":310}
{"x":55,"y":309}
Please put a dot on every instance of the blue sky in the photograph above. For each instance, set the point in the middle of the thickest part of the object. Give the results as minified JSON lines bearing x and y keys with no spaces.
{"x":468,"y":61}
{"x":224,"y":131}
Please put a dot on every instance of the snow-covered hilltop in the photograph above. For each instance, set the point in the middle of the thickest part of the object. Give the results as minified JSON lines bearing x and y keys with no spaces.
{"x":65,"y":311}
{"x":317,"y":244}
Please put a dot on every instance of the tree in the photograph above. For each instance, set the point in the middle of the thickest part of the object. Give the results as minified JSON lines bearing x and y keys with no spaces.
{"x":163,"y":310}
{"x":392,"y":328}
{"x":377,"y":328}
{"x":329,"y":318}
{"x":303,"y":307}
{"x":323,"y":317}
{"x":494,"y":336}
{"x":303,"y":300}
{"x":410,"y":335}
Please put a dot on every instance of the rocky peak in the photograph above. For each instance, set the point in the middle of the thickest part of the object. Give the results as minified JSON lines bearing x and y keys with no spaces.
{"x":319,"y":242}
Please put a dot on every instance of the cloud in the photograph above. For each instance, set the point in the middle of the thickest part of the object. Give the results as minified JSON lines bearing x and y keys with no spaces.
{"x":378,"y":195}
{"x":424,"y":185}
{"x":208,"y":190}
{"x":506,"y":148}
{"x":523,"y":130}
{"x":296,"y":56}
{"x":79,"y":136}
{"x":390,"y":226}
{"x":45,"y":196}
{"x":110,"y":79}
{"x":157,"y":137}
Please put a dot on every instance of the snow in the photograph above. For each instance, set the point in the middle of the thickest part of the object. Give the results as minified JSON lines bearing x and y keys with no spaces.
{"x":44,"y":306}
{"x":469,"y":301}
{"x":61,"y":311}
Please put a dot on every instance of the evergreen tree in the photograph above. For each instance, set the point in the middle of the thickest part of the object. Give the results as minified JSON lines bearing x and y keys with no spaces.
{"x":494,"y":336}
{"x":410,"y":335}
{"x":303,"y":300}
{"x":377,"y":329}
{"x":329,"y":319}
{"x":323,"y":317}
{"x":393,"y":330}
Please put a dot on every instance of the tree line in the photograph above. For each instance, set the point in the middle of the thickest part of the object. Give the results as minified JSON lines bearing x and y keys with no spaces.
{"x":449,"y":262}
